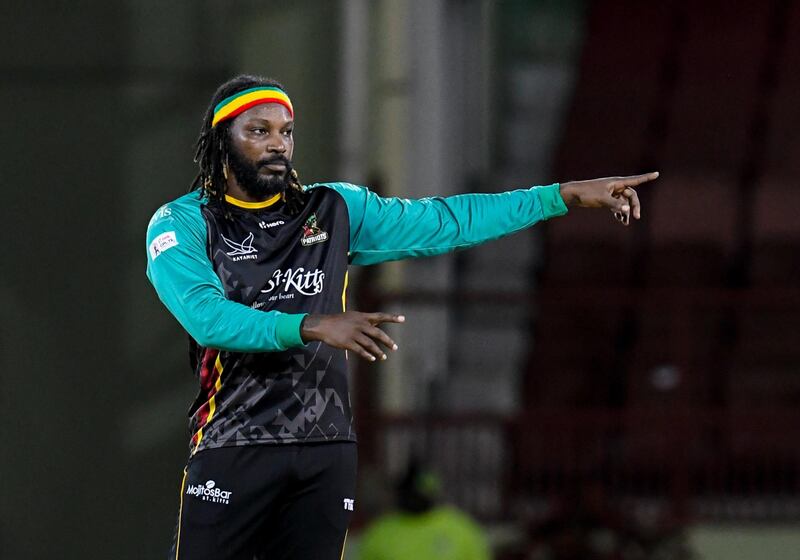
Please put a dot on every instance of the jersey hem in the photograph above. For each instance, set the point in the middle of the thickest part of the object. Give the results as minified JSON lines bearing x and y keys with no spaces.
{"x":288,"y":441}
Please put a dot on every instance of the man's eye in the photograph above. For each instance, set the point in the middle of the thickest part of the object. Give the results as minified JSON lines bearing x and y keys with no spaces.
{"x":288,"y":132}
{"x":259,"y":130}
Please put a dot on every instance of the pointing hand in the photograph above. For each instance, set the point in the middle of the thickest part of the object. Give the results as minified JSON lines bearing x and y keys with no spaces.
{"x":615,"y":193}
{"x":353,"y":331}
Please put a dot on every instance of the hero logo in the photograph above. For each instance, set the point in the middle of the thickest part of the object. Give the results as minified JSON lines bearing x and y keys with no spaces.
{"x":266,"y":225}
{"x":306,"y":282}
{"x":208,"y":492}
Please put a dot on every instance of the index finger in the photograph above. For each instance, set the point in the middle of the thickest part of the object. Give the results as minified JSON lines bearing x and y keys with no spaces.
{"x":378,"y":318}
{"x":635,"y":180}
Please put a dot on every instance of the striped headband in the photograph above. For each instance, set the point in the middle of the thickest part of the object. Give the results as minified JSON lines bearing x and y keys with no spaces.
{"x":240,"y":102}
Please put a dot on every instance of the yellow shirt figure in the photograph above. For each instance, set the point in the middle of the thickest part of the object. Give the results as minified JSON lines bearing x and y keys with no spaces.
{"x":441,"y":533}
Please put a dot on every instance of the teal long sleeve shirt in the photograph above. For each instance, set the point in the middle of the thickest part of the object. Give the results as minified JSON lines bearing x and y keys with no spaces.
{"x":381,"y":229}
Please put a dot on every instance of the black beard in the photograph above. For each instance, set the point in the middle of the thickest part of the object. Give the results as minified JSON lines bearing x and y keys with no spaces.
{"x":255,"y":185}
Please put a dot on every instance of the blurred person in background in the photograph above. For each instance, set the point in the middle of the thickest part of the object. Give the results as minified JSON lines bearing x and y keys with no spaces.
{"x":422,"y":529}
{"x":253,"y":265}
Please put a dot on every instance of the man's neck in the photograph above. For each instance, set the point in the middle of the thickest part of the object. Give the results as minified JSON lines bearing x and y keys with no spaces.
{"x":237,"y":192}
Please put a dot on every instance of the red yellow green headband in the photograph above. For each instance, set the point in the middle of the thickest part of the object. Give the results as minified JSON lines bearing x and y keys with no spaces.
{"x":231,"y":106}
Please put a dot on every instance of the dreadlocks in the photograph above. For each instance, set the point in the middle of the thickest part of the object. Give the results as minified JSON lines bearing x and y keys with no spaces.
{"x":213,"y":147}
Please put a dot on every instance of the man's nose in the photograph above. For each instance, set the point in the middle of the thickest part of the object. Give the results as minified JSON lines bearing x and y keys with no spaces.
{"x":276,"y":144}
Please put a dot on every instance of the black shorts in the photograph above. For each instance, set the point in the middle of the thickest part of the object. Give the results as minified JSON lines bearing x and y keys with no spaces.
{"x":267,"y":502}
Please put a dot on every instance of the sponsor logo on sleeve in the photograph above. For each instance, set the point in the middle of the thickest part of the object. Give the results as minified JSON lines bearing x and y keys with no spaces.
{"x":163,"y":212}
{"x":349,"y":503}
{"x":163,"y":242}
{"x":241,"y":251}
{"x":312,"y":233}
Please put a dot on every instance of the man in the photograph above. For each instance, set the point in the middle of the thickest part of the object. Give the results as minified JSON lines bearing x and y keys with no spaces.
{"x":254,"y":267}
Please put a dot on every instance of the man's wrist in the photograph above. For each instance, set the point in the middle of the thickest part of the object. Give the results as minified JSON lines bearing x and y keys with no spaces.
{"x":569,"y":193}
{"x":308,"y":328}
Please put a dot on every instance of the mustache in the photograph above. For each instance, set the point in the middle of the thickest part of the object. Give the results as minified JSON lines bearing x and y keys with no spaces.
{"x":277,"y":159}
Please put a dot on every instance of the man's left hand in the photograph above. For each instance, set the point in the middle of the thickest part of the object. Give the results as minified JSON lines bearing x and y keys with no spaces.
{"x":615,"y":193}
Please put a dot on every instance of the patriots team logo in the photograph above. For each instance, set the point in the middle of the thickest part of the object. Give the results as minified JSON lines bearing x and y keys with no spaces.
{"x":312,"y":233}
{"x":241,"y":251}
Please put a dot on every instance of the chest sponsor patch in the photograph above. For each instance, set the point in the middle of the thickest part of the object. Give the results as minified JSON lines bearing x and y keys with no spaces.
{"x":300,"y":280}
{"x":241,"y":251}
{"x":163,"y":242}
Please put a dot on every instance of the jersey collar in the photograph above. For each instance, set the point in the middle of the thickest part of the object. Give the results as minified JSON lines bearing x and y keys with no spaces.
{"x":252,"y":205}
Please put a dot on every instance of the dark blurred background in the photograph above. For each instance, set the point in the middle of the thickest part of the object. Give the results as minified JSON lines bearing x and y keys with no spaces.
{"x":632,"y":391}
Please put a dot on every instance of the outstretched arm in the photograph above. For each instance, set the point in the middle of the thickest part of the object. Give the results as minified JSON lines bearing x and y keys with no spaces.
{"x":386,"y":229}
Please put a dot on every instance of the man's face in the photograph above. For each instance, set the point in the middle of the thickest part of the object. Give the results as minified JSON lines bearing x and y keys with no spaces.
{"x":261,"y":149}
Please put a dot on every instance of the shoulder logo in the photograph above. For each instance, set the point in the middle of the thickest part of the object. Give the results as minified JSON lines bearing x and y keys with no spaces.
{"x":163,"y":212}
{"x":163,"y":242}
{"x":312,"y":233}
{"x":241,"y":251}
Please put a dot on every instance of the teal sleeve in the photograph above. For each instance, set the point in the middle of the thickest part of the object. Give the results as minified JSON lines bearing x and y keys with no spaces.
{"x":182,"y":274}
{"x":386,"y":229}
